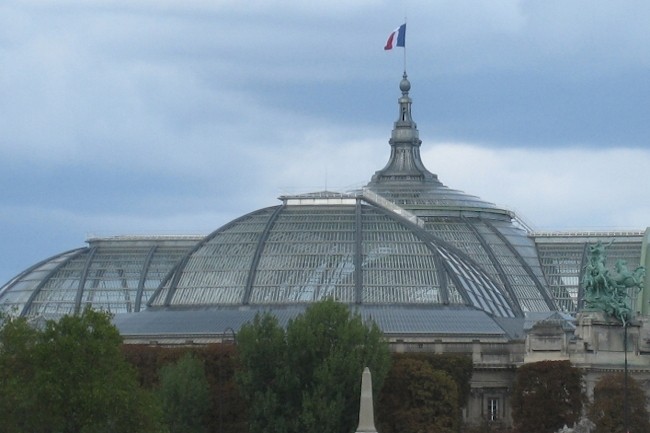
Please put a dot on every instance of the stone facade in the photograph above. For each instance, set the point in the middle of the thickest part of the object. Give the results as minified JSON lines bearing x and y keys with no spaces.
{"x":591,"y":342}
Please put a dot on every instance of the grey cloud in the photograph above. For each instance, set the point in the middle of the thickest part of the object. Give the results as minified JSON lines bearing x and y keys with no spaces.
{"x":123,"y":115}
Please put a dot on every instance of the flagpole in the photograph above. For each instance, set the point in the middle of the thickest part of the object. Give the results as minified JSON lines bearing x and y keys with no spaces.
{"x":405,"y":46}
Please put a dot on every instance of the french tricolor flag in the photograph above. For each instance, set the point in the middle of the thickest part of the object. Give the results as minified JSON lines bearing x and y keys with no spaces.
{"x":397,"y":38}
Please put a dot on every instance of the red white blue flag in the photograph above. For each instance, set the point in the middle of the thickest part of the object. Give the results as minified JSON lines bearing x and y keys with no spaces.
{"x":397,"y":38}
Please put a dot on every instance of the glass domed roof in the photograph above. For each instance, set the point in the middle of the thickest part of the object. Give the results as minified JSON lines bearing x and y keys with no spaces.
{"x":318,"y":246}
{"x":114,"y":274}
{"x":403,"y":239}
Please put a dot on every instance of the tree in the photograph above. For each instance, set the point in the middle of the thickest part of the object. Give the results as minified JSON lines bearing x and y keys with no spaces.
{"x":70,"y":376}
{"x":546,"y":396}
{"x":185,"y":395}
{"x":607,"y":410}
{"x":265,"y":378}
{"x":423,"y":400}
{"x":228,"y":411}
{"x":458,"y":366}
{"x":17,"y":340}
{"x":308,"y":378}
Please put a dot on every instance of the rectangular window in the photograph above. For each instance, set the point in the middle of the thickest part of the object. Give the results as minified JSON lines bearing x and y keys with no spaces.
{"x":493,"y":409}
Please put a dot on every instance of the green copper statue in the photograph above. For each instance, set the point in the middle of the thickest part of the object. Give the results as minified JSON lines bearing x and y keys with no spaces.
{"x":609,"y":292}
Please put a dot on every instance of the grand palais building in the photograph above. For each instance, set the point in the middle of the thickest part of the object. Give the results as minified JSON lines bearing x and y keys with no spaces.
{"x":437,"y":269}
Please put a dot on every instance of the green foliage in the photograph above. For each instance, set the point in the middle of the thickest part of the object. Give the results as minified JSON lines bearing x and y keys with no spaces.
{"x":308,"y":378}
{"x":17,"y":341}
{"x":185,"y":395}
{"x":228,"y":410}
{"x":70,"y":376}
{"x":265,"y":379}
{"x":546,"y":396}
{"x":607,"y":409}
{"x":395,"y":393}
{"x":458,"y":367}
{"x":422,"y":400}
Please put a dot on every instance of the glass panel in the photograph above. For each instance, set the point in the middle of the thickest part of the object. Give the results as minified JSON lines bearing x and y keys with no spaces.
{"x":522,"y":283}
{"x":457,"y":233}
{"x":483,"y":294}
{"x":59,"y":292}
{"x":493,"y":409}
{"x":308,"y":256}
{"x":397,"y":266}
{"x":216,"y":273}
{"x":18,"y":291}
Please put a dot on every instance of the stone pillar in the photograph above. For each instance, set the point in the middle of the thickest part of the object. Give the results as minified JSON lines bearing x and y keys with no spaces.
{"x":366,"y":412}
{"x":476,"y":352}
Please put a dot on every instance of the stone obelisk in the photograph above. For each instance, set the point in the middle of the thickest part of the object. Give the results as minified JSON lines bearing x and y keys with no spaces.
{"x":366,"y":413}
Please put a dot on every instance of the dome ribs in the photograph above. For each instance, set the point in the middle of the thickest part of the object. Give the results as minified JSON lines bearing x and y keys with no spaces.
{"x":425,"y":238}
{"x":442,"y":277}
{"x":252,"y":273}
{"x":497,"y":265}
{"x":143,"y":278}
{"x":173,"y":277}
{"x":541,"y":288}
{"x":82,"y":281}
{"x":46,"y":278}
{"x":358,"y":253}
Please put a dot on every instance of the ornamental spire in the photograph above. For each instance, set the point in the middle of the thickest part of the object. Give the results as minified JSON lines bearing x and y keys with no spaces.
{"x":405,"y":163}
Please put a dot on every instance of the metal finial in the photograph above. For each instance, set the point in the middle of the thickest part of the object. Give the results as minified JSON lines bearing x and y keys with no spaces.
{"x":405,"y":84}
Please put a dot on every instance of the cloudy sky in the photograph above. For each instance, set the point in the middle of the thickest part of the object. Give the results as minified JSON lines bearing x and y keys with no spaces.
{"x":174,"y":117}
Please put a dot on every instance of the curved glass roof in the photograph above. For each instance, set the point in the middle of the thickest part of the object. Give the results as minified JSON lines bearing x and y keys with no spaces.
{"x":115,"y":274}
{"x":403,"y":240}
{"x":356,"y":253}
